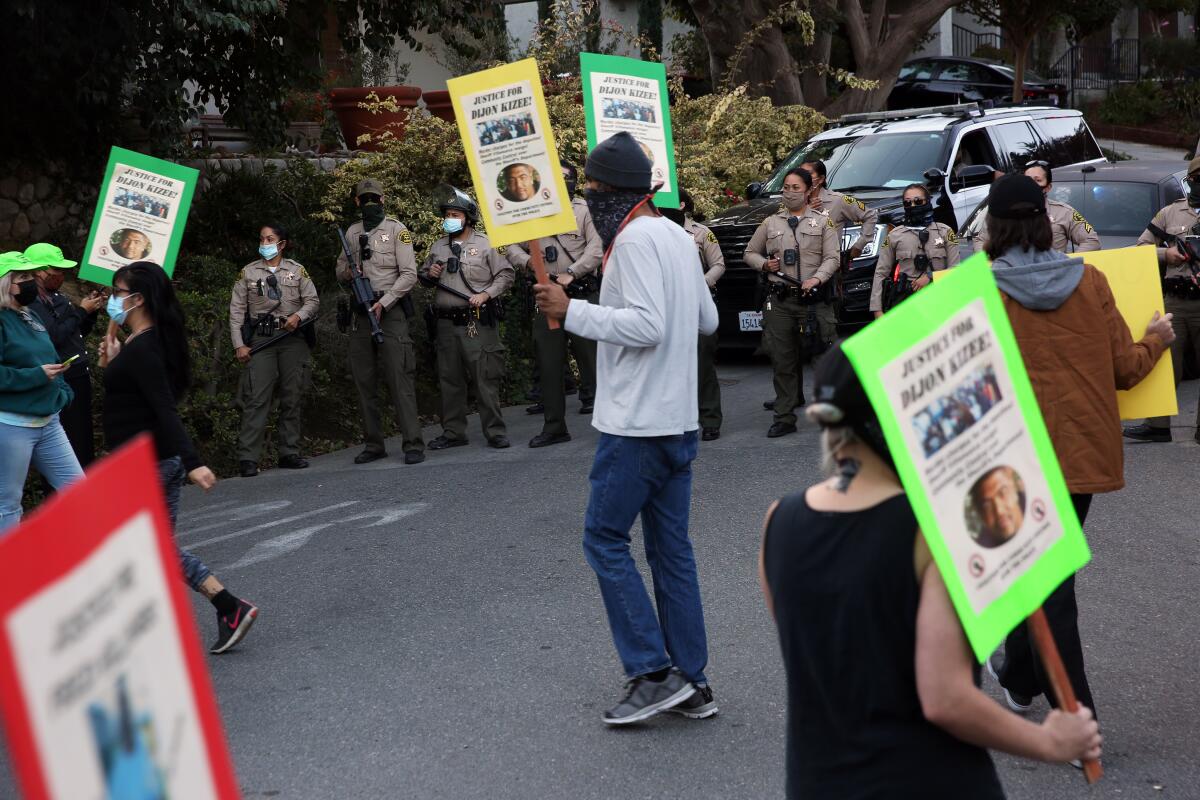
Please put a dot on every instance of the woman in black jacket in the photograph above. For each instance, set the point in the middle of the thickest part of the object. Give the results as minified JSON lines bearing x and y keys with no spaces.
{"x":144,"y":378}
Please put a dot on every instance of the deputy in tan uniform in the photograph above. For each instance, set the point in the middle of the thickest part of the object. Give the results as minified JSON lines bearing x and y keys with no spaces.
{"x":917,"y":249}
{"x":1067,"y":224}
{"x":713,"y":262}
{"x":841,"y":208}
{"x":801,"y":243}
{"x":273,"y":297}
{"x":1181,"y":291}
{"x":573,"y":261}
{"x":384,"y":249}
{"x":469,"y":350}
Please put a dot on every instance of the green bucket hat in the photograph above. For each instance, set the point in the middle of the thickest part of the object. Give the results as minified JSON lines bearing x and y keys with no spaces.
{"x":15,"y":261}
{"x":48,"y":255}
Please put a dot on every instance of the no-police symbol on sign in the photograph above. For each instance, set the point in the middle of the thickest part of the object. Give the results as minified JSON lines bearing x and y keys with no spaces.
{"x":1039,"y":510}
{"x":976,"y":565}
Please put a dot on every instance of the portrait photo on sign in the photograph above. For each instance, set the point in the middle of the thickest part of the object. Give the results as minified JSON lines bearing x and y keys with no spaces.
{"x":518,"y":182}
{"x":947,"y":417}
{"x":995,"y":507}
{"x":130,"y":243}
{"x":628,"y":109}
{"x":142,"y":203}
{"x":505,"y":129}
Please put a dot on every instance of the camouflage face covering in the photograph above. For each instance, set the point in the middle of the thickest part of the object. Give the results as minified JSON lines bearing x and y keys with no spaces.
{"x":609,"y":210}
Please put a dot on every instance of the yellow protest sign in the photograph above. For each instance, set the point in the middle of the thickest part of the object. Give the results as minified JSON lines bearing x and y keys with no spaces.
{"x":1132,"y":274}
{"x":510,"y":149}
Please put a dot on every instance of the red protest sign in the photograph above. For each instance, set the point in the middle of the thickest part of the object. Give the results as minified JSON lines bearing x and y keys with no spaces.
{"x":103,"y":686}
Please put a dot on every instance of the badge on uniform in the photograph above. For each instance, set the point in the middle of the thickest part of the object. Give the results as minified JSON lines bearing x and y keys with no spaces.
{"x":812,"y":223}
{"x":472,"y":251}
{"x":938,"y":242}
{"x":829,"y":224}
{"x":952,"y":237}
{"x":383,"y":237}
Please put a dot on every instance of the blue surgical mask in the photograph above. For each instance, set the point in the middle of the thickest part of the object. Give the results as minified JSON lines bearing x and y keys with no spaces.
{"x":116,"y":309}
{"x":452,"y":225}
{"x":268,"y":251}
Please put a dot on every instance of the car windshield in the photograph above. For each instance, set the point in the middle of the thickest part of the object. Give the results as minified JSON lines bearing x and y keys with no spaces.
{"x":1112,"y":208}
{"x":875,"y":161}
{"x":1008,"y":73}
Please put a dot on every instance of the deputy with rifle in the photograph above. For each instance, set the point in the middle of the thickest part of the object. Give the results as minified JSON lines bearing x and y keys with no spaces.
{"x":380,"y":249}
{"x":271,"y":322}
{"x":798,"y":249}
{"x":469,"y":276}
{"x":573,"y":262}
{"x":912,"y":252}
{"x":1175,"y":230}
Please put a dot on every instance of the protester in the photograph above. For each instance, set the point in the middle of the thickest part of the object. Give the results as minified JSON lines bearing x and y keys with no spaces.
{"x":1078,"y":352}
{"x":653,"y":303}
{"x":144,"y":379}
{"x":882,"y":700}
{"x":68,"y":325}
{"x":32,"y":393}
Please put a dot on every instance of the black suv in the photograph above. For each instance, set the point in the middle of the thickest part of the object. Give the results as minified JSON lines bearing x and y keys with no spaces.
{"x":955,"y":150}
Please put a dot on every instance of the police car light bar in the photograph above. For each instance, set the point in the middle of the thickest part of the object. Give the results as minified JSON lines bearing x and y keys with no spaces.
{"x":961,"y":109}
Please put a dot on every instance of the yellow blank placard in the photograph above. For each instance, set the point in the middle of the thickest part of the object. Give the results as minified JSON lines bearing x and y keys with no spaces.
{"x":1132,"y":274}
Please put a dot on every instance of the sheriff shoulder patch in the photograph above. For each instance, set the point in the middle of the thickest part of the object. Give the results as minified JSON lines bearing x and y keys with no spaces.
{"x":829,"y":224}
{"x":502,"y":249}
{"x":951,"y":237}
{"x":405,"y":237}
{"x":886,"y":242}
{"x":304,"y":274}
{"x":712,"y":237}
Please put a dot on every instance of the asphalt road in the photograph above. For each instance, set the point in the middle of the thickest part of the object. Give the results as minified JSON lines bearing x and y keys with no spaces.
{"x":433,"y":631}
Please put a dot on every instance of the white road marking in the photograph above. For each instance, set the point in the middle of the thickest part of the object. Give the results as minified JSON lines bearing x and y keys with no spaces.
{"x":240,"y":514}
{"x":271,"y":524}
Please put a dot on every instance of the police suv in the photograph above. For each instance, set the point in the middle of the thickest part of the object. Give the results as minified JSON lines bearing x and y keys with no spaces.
{"x":955,"y":150}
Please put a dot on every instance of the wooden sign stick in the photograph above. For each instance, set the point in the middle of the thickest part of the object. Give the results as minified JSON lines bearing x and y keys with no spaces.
{"x":539,"y":271}
{"x":1043,"y":639}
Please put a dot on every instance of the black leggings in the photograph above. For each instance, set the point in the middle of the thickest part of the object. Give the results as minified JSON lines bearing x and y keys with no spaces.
{"x":1022,"y":672}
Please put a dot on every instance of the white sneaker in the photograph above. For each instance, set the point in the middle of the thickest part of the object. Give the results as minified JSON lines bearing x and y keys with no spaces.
{"x":1016,"y":702}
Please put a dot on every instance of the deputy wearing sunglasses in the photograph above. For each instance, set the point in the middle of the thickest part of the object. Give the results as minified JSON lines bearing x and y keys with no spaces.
{"x":272,"y":299}
{"x":1067,"y":224}
{"x":912,"y":252}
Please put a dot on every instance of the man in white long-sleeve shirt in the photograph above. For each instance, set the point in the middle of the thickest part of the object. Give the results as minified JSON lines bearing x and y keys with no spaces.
{"x":653,"y":302}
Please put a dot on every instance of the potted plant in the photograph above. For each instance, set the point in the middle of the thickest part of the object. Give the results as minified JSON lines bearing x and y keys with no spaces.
{"x":384,"y":77}
{"x":305,"y":112}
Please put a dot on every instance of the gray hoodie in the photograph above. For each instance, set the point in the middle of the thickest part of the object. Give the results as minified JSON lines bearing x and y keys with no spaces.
{"x":1039,"y":280}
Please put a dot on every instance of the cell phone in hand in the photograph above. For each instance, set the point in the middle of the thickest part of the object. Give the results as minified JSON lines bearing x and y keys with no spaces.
{"x":67,"y":363}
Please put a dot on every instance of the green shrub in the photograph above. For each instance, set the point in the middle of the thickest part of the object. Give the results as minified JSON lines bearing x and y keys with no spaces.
{"x":1169,"y":59}
{"x":1132,"y":104}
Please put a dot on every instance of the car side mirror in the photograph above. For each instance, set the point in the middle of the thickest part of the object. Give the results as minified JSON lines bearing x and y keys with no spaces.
{"x":972,"y":177}
{"x":753,"y":190}
{"x":934,"y":177}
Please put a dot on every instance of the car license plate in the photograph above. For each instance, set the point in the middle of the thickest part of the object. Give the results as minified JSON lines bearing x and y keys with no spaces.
{"x":750,"y":320}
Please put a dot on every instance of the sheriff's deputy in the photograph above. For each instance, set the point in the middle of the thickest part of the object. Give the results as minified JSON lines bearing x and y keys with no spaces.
{"x":802,"y":244}
{"x":1181,"y":289}
{"x":912,"y":252}
{"x":470,"y":276}
{"x":272,"y":299}
{"x":841,"y":208}
{"x":384,"y":249}
{"x":713,"y":262}
{"x":1067,"y":224}
{"x":573,"y":262}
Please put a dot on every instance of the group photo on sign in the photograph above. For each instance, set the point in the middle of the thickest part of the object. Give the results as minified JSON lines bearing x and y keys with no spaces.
{"x":803,"y":403}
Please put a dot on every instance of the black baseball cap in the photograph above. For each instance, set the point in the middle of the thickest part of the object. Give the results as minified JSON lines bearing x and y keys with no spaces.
{"x":1016,"y":197}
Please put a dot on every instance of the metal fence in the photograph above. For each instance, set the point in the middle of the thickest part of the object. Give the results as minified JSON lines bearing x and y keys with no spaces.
{"x":967,"y":41}
{"x":1090,"y":67}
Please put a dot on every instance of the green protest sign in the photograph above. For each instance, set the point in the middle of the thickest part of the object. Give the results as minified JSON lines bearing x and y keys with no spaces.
{"x":625,"y":94}
{"x":945,"y":375}
{"x":140,"y":214}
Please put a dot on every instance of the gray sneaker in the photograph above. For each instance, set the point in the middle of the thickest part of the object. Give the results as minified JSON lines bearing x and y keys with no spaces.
{"x":1019,"y":703}
{"x":644,"y":698}
{"x":699,"y":706}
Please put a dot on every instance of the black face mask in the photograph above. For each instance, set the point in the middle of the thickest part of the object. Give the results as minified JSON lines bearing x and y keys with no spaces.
{"x":609,"y":210}
{"x":1193,"y":195}
{"x":918,"y":216}
{"x":372,"y":215}
{"x":27,"y":292}
{"x":571,"y":186}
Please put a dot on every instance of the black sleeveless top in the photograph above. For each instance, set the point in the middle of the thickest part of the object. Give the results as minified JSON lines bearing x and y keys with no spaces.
{"x":846,"y":599}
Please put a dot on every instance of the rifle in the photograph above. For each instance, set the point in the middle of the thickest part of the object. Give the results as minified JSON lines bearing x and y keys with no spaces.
{"x":265,"y":343}
{"x":1188,"y":247}
{"x":360,"y":287}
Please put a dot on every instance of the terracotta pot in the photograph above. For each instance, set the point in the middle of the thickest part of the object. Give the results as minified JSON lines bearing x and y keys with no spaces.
{"x":356,"y":121}
{"x":438,"y":104}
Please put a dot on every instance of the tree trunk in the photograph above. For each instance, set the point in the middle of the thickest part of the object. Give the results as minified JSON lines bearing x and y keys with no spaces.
{"x":765,"y":64}
{"x":882,"y":39}
{"x":1020,"y":46}
{"x":813,"y":83}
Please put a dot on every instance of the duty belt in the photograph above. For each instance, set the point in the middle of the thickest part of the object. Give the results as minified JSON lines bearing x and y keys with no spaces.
{"x":463,"y":315}
{"x":1182,"y":288}
{"x":795,"y":294}
{"x":269,"y":326}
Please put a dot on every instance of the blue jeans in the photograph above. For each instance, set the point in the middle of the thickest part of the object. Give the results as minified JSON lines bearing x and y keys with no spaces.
{"x":172,"y":477}
{"x":50,"y":453}
{"x":650,"y":476}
